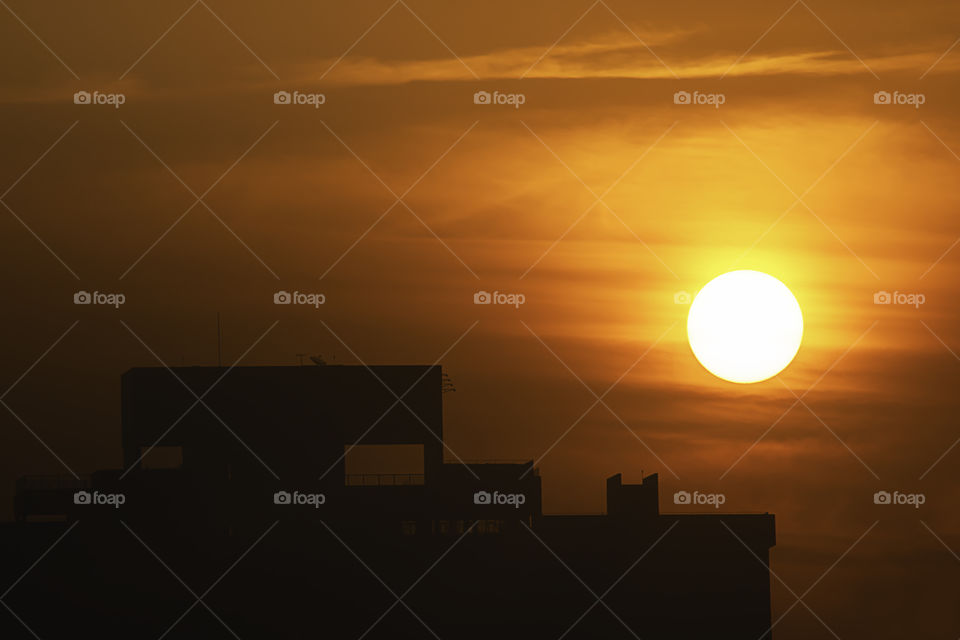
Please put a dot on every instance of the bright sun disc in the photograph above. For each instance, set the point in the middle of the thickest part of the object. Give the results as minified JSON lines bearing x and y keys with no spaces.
{"x":745,"y":326}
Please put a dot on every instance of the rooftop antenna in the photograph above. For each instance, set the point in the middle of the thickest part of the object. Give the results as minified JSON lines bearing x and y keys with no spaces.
{"x":300,"y":357}
{"x":219,"y":343}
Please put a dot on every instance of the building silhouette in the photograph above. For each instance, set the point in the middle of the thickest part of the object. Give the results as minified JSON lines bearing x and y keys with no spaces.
{"x":370,"y":533}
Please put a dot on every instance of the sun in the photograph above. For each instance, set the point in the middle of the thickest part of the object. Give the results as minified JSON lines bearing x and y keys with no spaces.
{"x":745,"y":326}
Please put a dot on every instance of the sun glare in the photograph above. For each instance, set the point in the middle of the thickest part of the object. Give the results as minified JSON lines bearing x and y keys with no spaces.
{"x":745,"y":326}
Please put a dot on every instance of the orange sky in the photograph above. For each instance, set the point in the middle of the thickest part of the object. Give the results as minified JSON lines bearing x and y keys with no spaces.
{"x":798,"y":174}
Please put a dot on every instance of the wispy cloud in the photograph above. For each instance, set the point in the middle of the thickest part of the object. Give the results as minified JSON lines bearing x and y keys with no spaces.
{"x":616,"y":56}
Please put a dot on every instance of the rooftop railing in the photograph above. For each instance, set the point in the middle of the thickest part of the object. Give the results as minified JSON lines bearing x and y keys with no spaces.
{"x":383,"y":479}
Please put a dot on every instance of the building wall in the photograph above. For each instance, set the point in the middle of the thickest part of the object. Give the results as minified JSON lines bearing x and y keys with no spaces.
{"x":296,"y":419}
